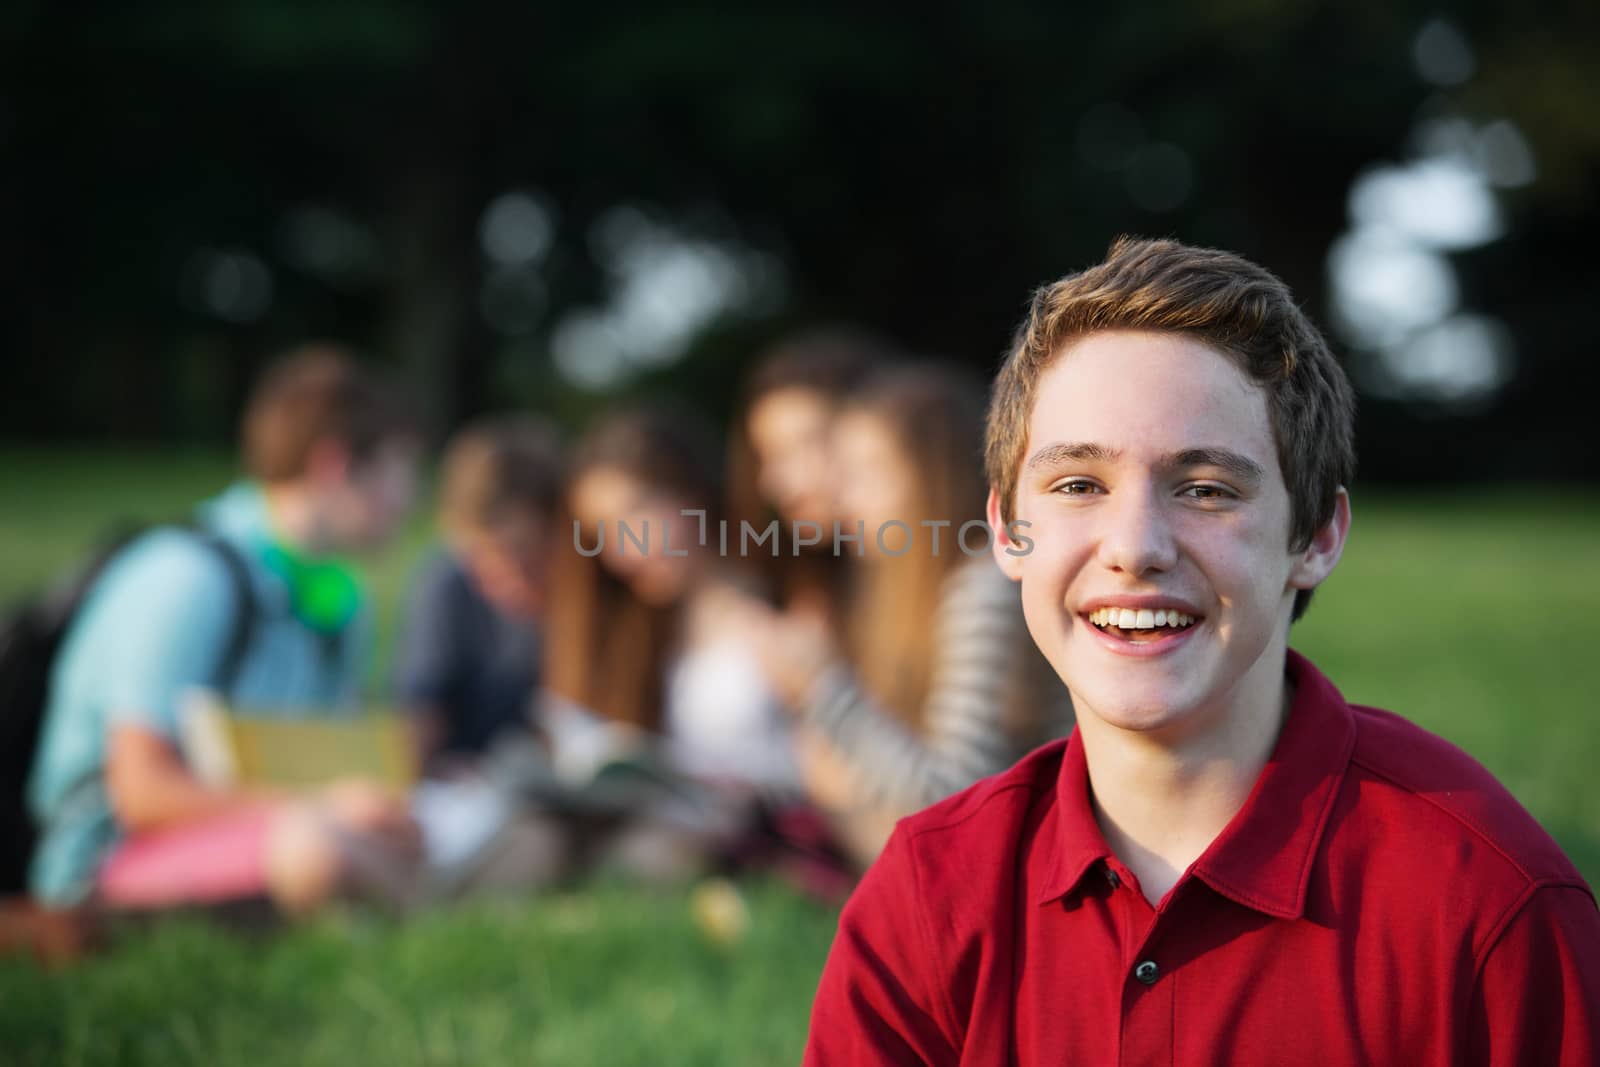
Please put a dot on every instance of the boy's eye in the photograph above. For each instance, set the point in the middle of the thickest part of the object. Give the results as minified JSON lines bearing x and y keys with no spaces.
{"x":1077,"y":487}
{"x":1207,"y":492}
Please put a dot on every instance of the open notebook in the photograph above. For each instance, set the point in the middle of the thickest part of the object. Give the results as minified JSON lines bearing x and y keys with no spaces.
{"x":242,"y":747}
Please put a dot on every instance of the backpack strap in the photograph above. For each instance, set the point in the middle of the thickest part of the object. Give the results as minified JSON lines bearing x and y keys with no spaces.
{"x":246,"y":609}
{"x":333,"y":649}
{"x":333,"y":644}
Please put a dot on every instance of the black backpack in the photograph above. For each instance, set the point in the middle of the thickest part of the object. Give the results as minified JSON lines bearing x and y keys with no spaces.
{"x":31,"y":633}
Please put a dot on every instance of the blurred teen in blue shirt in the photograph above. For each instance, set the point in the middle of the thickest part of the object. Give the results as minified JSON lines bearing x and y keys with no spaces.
{"x":124,"y":818}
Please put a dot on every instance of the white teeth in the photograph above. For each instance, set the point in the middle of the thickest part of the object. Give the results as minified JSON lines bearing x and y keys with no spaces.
{"x":1142,"y":619}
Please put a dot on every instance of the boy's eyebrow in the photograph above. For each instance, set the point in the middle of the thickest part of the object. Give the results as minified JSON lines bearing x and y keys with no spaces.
{"x":1240,"y":466}
{"x":1072,"y":451}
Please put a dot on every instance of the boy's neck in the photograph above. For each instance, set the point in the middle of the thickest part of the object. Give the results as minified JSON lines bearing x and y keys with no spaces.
{"x":292,"y":517}
{"x":1161,"y":800}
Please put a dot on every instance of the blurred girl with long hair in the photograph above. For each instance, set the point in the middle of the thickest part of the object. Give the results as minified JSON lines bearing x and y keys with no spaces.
{"x":781,"y":465}
{"x":933,"y":682}
{"x":645,"y":633}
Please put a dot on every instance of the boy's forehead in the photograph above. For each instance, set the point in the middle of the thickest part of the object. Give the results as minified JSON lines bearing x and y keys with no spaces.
{"x":1145,"y":394}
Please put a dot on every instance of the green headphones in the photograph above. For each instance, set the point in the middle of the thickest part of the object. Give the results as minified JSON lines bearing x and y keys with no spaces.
{"x":323,"y":594}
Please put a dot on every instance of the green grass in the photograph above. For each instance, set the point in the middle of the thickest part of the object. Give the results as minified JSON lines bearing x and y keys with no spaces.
{"x":1477,"y":616}
{"x":1473,"y":613}
{"x":601,"y":976}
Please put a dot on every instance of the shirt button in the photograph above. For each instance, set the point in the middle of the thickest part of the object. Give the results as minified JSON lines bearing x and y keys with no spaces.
{"x":1147,"y":972}
{"x":1111,"y":878}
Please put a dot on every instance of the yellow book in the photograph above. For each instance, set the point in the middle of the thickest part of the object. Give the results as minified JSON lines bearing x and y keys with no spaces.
{"x":236,"y":747}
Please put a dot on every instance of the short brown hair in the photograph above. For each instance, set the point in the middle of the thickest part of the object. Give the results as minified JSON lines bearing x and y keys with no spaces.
{"x":315,"y":393}
{"x":1223,"y":300}
{"x":500,"y":467}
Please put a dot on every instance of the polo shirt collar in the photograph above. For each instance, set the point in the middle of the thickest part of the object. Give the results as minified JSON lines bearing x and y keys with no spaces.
{"x":1263,"y":857}
{"x":1078,"y":844}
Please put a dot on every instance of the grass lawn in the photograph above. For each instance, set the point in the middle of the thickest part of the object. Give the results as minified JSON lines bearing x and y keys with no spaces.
{"x":1431,"y":613}
{"x":599,"y":976}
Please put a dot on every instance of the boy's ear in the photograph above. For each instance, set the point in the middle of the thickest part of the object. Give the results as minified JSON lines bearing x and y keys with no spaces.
{"x":1005,"y":550}
{"x":1317,"y":560}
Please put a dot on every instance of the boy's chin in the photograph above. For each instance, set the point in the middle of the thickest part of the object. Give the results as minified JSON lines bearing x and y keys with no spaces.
{"x":1143,"y":719}
{"x":1148,"y":708}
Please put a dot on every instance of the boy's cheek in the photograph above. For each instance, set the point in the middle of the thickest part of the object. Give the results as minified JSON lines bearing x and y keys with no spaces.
{"x":1045,"y":552}
{"x":1044,"y":600}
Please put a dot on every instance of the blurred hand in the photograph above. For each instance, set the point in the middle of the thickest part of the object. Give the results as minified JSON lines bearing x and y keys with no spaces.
{"x":861,"y":824}
{"x":830,"y":782}
{"x":793,"y":648}
{"x":364,"y":807}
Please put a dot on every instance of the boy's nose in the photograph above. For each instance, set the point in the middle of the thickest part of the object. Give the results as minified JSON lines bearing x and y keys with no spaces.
{"x":1137,"y":536}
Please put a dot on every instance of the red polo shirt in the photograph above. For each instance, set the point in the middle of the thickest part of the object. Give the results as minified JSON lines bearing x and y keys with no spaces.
{"x":1379,"y":899}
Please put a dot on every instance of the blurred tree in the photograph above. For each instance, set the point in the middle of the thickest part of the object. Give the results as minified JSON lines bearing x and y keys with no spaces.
{"x":184,"y":190}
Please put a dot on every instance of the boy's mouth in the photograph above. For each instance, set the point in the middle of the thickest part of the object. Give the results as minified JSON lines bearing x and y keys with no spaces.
{"x":1140,"y":625}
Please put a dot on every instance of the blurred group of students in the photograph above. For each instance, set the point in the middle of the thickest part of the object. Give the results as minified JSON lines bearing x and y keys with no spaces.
{"x":794,"y":696}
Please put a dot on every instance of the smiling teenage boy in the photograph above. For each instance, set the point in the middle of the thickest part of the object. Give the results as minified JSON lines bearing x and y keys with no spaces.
{"x":1226,"y":862}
